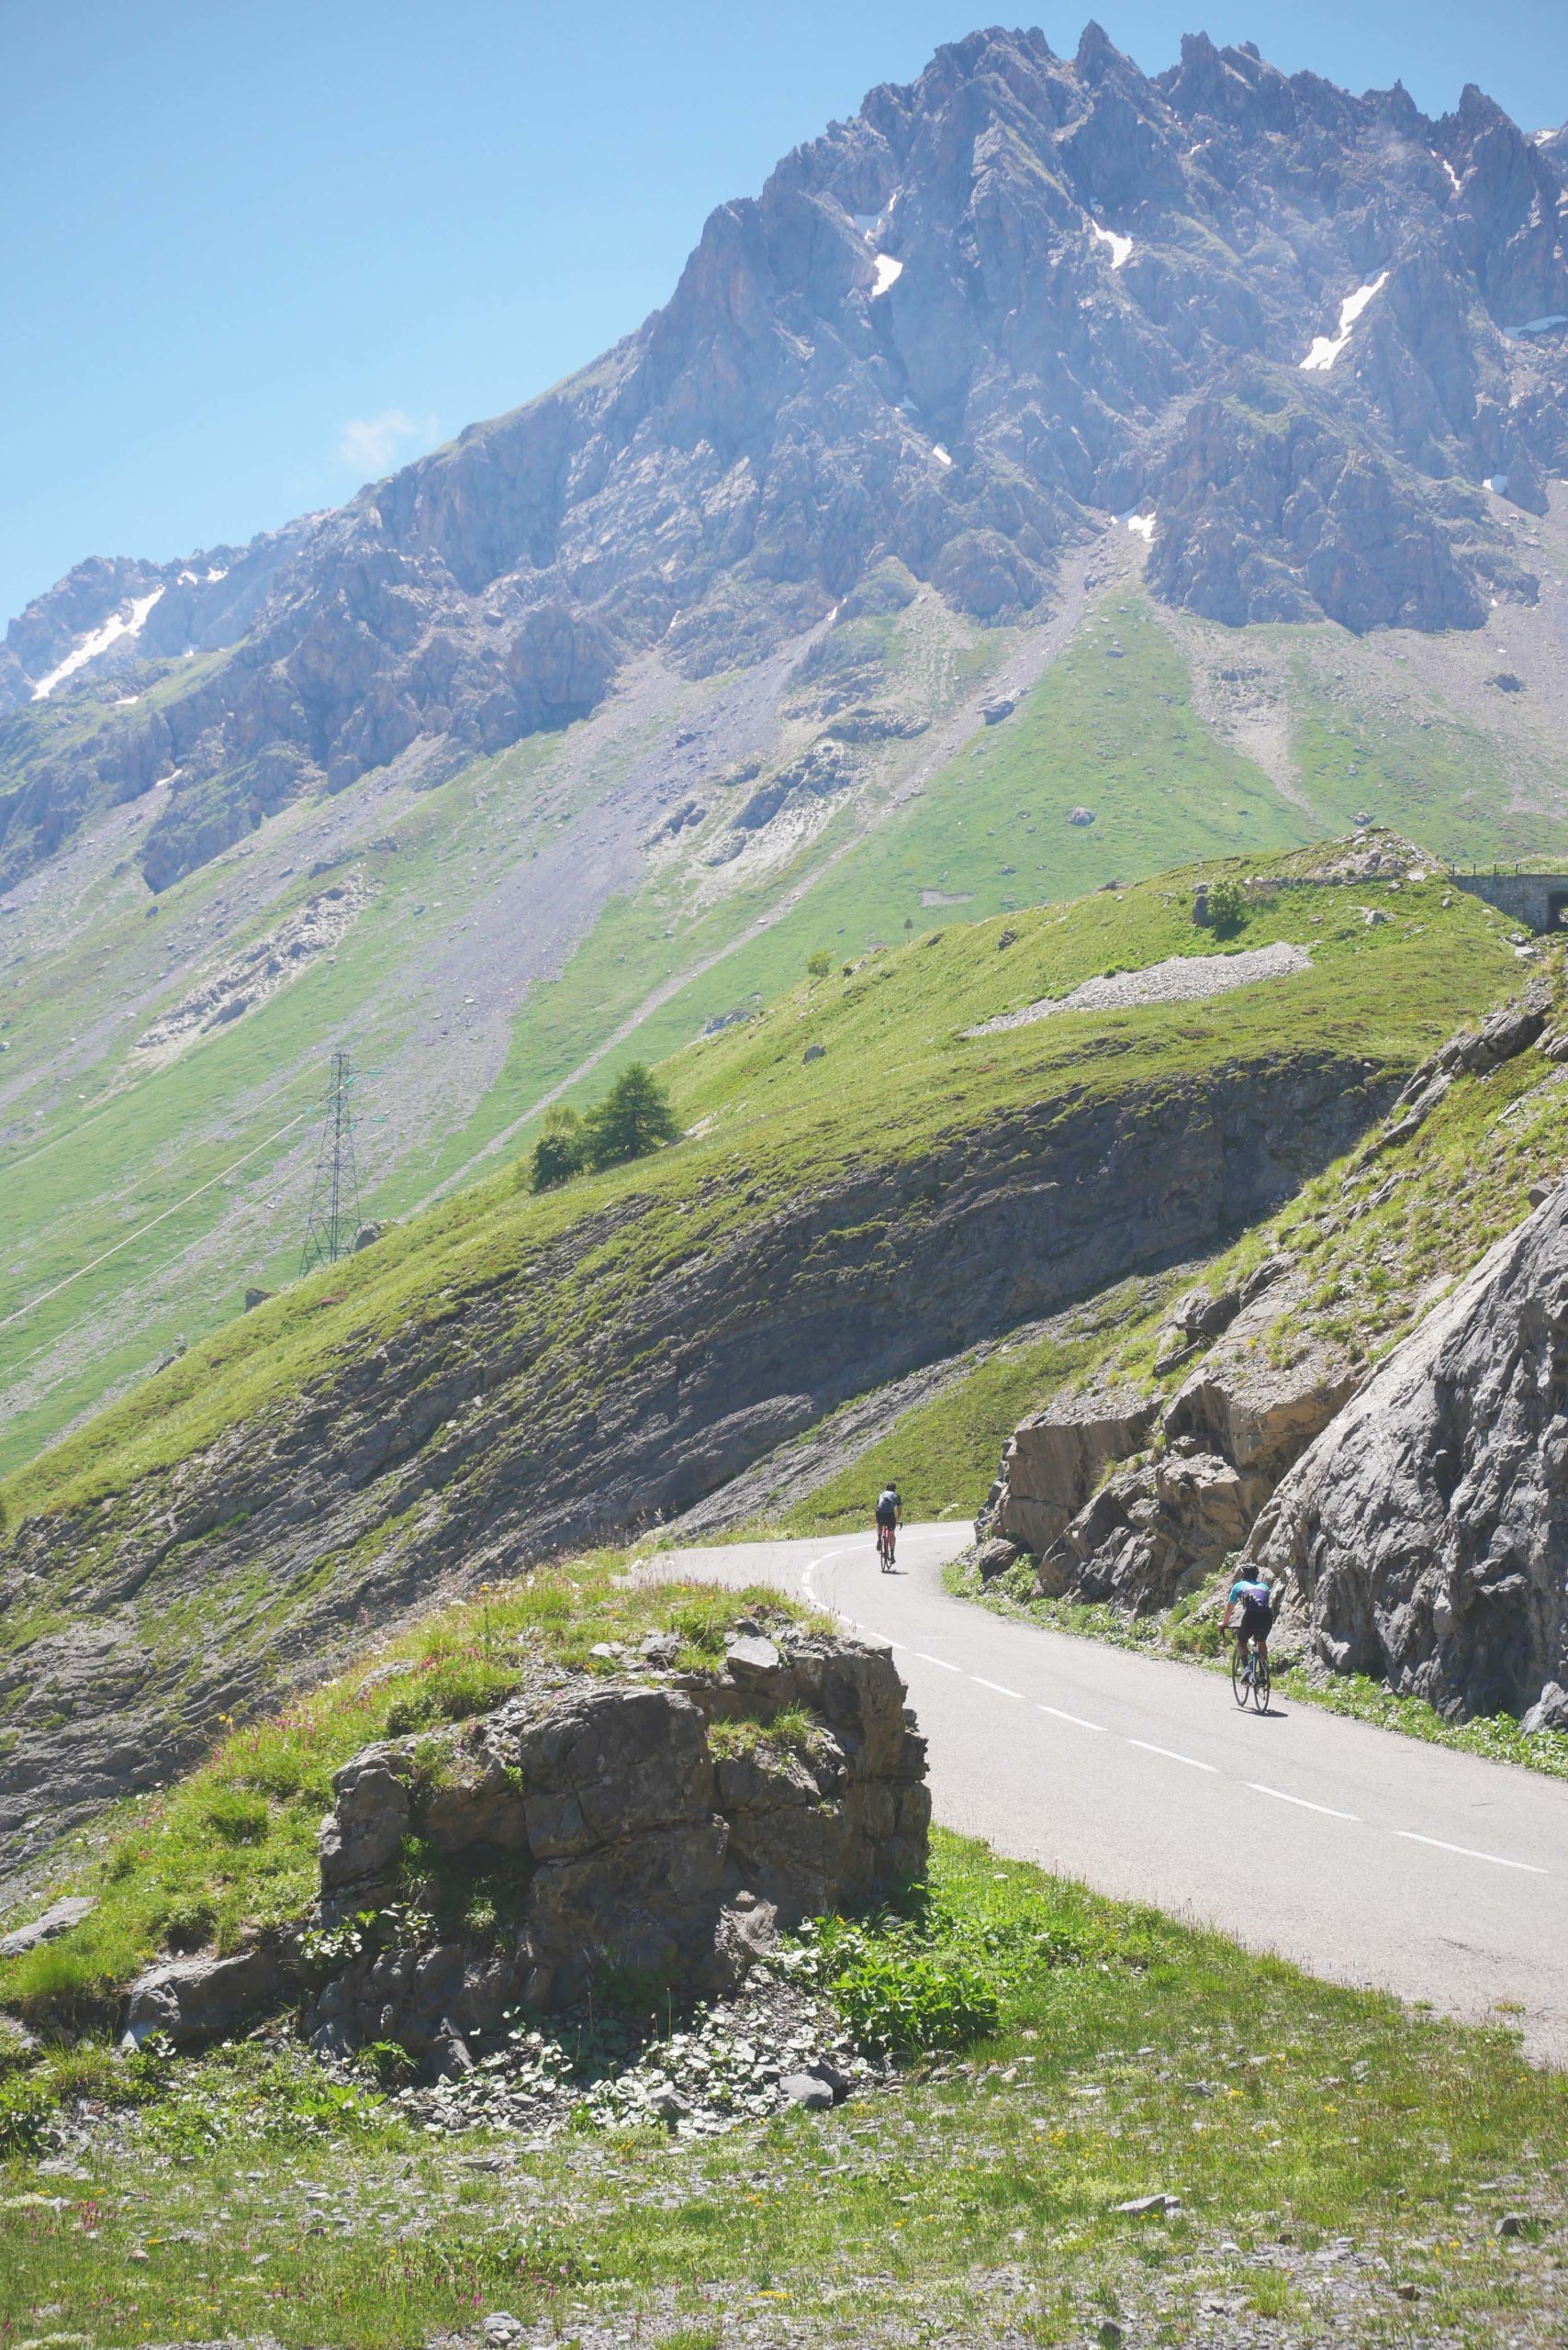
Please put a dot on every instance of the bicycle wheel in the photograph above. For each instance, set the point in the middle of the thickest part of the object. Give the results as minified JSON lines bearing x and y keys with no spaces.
{"x":1261,"y":1684}
{"x":1239,"y":1676}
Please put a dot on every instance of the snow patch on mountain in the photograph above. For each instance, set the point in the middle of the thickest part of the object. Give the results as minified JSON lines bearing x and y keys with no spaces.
{"x":1327,"y":348}
{"x":99,"y":640}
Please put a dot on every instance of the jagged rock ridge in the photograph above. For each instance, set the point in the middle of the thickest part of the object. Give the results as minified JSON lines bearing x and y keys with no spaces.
{"x":1000,"y":301}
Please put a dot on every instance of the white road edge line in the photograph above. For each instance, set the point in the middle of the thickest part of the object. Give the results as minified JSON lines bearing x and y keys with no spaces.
{"x":1280,"y":1796}
{"x":1076,"y":1719}
{"x":1172,"y":1756}
{"x":935,"y":1660}
{"x":1468,"y":1852}
{"x":981,"y":1682}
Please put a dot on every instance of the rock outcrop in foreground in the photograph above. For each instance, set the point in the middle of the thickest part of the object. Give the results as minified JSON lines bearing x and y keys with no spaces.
{"x":1424,"y":1537}
{"x":663,"y":1829}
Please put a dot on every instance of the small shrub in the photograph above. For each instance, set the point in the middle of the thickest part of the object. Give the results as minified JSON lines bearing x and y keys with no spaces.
{"x":92,"y":2070}
{"x":236,"y":1816}
{"x":386,"y":2063}
{"x":324,"y":1950}
{"x":819,"y":965}
{"x":704,"y":1618}
{"x":893,"y":1996}
{"x":480,"y":1917}
{"x":26,"y":2111}
{"x":1270,"y":2292}
{"x":791,"y":1730}
{"x":452,"y":1690}
{"x":561,"y":1151}
{"x":189,"y":1924}
{"x":633,"y":1118}
{"x":1227,"y":907}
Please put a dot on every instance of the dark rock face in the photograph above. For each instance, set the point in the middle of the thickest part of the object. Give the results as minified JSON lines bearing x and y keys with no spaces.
{"x":491,"y":1441}
{"x":1202,"y":1464}
{"x":58,"y":1918}
{"x":192,"y":1999}
{"x":1425,"y":1536}
{"x":948,"y":337}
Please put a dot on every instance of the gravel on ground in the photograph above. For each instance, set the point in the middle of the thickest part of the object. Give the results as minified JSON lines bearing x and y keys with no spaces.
{"x":1180,"y":978}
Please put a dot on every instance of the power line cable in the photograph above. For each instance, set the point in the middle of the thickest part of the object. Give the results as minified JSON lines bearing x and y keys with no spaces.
{"x":162,"y":1217}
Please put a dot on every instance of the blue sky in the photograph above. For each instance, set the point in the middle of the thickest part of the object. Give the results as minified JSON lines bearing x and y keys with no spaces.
{"x":256,"y":254}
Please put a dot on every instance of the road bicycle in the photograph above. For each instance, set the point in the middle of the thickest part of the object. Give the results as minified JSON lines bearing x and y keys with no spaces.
{"x":1249,"y":1674}
{"x":885,"y":1549}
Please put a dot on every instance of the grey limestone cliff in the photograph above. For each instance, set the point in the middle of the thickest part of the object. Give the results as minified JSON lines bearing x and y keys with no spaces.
{"x":1424,"y":1538}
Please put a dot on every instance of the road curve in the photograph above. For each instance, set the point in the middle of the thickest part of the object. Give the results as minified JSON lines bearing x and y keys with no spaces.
{"x":1362,"y":1856}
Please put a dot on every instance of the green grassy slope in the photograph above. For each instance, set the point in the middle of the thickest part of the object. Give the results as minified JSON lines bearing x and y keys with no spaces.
{"x":771,"y":1125}
{"x":140,"y":1142}
{"x":1113,"y":725}
{"x":989,"y":831}
{"x":1433,"y":774}
{"x":1376,"y":1263}
{"x":1341,"y":2168}
{"x":113,"y":1149}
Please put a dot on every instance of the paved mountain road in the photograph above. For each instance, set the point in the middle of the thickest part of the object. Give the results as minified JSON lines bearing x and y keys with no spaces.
{"x":1361,"y":1855}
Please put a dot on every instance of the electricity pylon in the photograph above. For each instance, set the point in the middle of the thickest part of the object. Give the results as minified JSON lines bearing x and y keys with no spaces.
{"x":333,"y":1220}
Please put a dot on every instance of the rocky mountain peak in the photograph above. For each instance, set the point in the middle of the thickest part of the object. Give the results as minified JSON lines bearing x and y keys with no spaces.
{"x":1001,"y":305}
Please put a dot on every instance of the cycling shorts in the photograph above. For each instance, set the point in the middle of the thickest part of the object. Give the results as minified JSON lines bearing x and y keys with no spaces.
{"x":1255,"y":1621}
{"x":887,"y":1518}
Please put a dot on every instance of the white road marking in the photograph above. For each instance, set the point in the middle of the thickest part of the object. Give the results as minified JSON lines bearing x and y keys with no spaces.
{"x":1280,"y":1796}
{"x":1469,"y":1852}
{"x":1167,"y":1754}
{"x":1172,"y":1756}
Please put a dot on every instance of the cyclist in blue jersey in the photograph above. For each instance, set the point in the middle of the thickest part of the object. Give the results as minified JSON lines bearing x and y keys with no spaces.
{"x":1255,"y":1599}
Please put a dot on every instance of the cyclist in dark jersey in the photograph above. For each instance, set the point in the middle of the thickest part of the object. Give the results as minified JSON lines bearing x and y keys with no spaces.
{"x":1255,"y":1599}
{"x":889,"y":1514}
